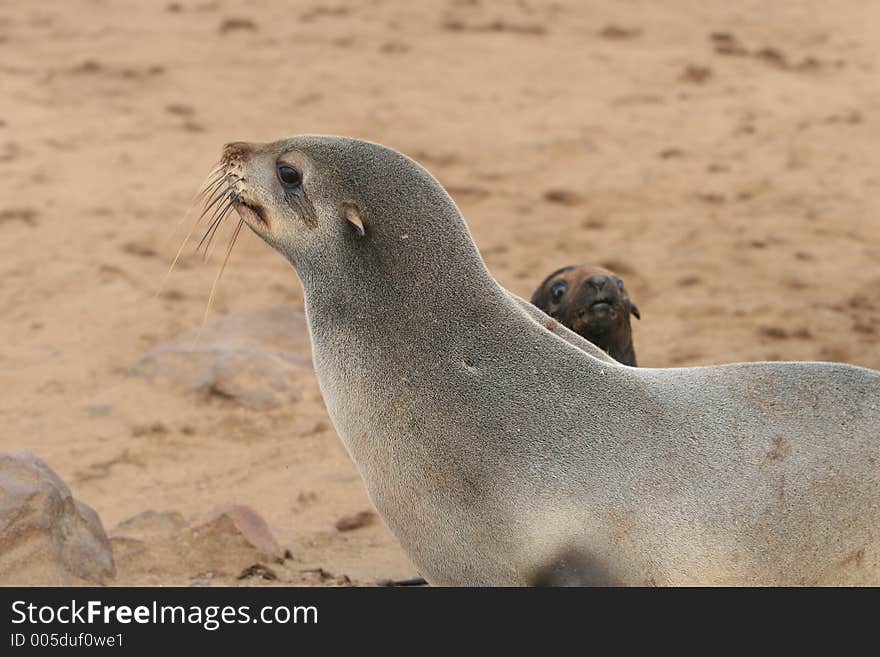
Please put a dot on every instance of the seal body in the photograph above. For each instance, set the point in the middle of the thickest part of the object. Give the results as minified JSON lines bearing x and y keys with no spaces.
{"x":593,"y":302}
{"x":475,"y":428}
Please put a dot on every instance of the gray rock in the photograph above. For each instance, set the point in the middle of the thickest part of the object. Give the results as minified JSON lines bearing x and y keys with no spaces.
{"x":236,"y":523}
{"x":47,"y":538}
{"x":256,"y":358}
{"x":160,"y":547}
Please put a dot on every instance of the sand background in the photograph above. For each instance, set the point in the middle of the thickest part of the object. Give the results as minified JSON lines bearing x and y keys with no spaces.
{"x":722,"y":156}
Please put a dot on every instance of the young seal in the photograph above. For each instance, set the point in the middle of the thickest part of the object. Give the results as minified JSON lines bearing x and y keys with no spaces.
{"x":593,"y":302}
{"x":494,"y":447}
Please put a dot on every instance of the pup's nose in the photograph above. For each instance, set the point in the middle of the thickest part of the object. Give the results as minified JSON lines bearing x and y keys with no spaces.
{"x":598,"y":281}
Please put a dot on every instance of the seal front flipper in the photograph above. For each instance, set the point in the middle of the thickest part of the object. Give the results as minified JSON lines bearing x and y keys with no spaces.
{"x":572,"y":567}
{"x":412,"y":581}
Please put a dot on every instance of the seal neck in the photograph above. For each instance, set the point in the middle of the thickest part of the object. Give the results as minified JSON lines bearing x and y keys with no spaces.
{"x":417,"y":276}
{"x":419,"y":290}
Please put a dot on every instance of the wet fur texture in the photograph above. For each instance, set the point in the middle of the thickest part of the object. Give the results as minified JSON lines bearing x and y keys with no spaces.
{"x":497,"y":445}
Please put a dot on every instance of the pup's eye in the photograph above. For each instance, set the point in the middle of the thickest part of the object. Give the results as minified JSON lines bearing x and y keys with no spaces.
{"x":558,"y":289}
{"x":289,"y":176}
{"x":619,"y":284}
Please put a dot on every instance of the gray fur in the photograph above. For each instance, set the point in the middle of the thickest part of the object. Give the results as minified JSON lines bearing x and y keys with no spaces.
{"x":492,"y":446}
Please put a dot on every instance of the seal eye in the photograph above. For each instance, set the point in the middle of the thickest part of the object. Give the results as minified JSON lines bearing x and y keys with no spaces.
{"x":289,"y":176}
{"x":619,"y":284}
{"x":558,"y":289}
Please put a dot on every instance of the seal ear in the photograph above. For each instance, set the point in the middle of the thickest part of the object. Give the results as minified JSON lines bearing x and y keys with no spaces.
{"x":634,"y":309}
{"x":353,"y":216}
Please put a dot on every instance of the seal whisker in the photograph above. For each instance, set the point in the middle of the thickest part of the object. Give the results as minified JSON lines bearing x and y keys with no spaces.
{"x":208,"y":231}
{"x":232,"y":241}
{"x":216,"y":171}
{"x":216,"y":176}
{"x":212,"y":229}
{"x":219,"y":175}
{"x":219,"y":195}
{"x":219,"y":209}
{"x":219,"y":213}
{"x":212,"y":176}
{"x":230,"y":184}
{"x":216,"y":199}
{"x":220,"y":188}
{"x":211,"y":189}
{"x":221,"y":180}
{"x":176,"y":257}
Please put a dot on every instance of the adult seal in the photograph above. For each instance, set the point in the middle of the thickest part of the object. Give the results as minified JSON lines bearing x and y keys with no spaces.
{"x":494,"y":447}
{"x":593,"y":302}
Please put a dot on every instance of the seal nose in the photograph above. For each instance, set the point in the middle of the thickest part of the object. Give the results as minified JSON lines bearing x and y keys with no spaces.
{"x":236,"y":149}
{"x":598,"y":281}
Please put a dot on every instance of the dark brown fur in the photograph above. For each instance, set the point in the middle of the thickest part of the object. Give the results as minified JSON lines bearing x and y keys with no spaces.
{"x":593,"y":303}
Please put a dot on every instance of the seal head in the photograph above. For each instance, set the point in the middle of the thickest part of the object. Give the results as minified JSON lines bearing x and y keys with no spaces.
{"x":315,"y":199}
{"x":592,"y":302}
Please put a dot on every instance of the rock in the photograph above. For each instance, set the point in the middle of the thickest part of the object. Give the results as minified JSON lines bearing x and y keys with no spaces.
{"x":236,"y":523}
{"x":158,"y":546}
{"x":153,"y":521}
{"x":256,"y":358}
{"x":47,"y":538}
{"x":149,"y":543}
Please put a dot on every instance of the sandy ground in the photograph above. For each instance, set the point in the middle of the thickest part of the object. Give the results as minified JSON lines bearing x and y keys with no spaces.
{"x":722,"y":156}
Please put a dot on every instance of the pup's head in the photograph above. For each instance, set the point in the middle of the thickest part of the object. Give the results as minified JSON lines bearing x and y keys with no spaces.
{"x":593,"y":302}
